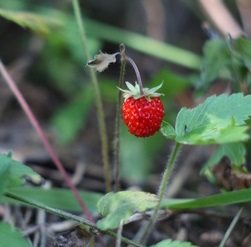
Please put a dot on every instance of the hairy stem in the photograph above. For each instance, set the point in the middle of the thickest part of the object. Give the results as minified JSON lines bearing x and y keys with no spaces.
{"x":100,"y":112}
{"x":43,"y":138}
{"x":67,"y":215}
{"x":162,"y":188}
{"x":117,"y":119}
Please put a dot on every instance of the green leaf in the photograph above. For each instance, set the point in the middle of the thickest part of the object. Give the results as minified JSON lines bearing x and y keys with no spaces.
{"x":115,"y":207}
{"x":17,"y":172}
{"x":62,"y":199}
{"x":243,"y":46}
{"x":4,"y":170}
{"x":41,"y":25}
{"x":171,"y":243}
{"x":10,"y":237}
{"x":217,"y":57}
{"x":167,"y":130}
{"x":223,"y":199}
{"x":219,"y":120}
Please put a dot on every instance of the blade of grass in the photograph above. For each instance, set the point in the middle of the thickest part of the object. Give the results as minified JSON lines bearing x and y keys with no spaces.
{"x":67,"y":215}
{"x":59,"y":198}
{"x":218,"y":200}
{"x":144,"y":44}
{"x":133,"y":40}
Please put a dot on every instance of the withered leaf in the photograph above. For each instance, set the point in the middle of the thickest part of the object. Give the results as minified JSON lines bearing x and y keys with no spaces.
{"x":101,"y":61}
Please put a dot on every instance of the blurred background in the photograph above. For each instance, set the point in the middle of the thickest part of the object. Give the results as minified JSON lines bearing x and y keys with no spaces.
{"x":165,"y":39}
{"x":41,"y":47}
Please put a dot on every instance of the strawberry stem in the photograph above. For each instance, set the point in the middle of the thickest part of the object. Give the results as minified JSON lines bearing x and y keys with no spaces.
{"x":162,"y":188}
{"x":124,"y":57}
{"x":137,"y":74}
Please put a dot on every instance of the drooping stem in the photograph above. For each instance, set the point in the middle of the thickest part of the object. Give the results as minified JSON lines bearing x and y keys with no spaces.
{"x":137,"y":74}
{"x":100,"y":112}
{"x":162,"y":188}
{"x":117,"y":118}
{"x":43,"y":138}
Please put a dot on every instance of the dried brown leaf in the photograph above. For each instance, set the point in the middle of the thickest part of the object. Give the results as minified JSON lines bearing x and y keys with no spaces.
{"x":101,"y":61}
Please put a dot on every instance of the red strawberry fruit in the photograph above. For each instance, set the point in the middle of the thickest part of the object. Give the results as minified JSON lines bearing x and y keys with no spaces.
{"x":142,"y":110}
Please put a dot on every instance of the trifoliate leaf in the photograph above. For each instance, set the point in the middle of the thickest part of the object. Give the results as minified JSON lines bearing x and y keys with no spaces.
{"x":219,"y":120}
{"x":171,"y":243}
{"x":115,"y":207}
{"x":101,"y":61}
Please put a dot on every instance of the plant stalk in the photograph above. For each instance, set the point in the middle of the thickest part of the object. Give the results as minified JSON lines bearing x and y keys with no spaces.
{"x":100,"y":112}
{"x":169,"y":166}
{"x":137,"y":74}
{"x":43,"y":138}
{"x":118,"y":117}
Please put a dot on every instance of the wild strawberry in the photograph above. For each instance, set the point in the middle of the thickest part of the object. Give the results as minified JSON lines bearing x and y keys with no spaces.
{"x":142,"y":112}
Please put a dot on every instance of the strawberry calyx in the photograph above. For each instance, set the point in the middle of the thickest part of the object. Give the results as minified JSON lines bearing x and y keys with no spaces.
{"x":136,"y":93}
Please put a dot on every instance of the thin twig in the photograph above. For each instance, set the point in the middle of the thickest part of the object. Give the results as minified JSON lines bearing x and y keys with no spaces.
{"x":231,"y":227}
{"x":43,"y":138}
{"x":119,"y":233}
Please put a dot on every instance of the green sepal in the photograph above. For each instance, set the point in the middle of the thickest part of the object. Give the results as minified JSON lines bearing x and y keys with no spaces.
{"x":134,"y":91}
